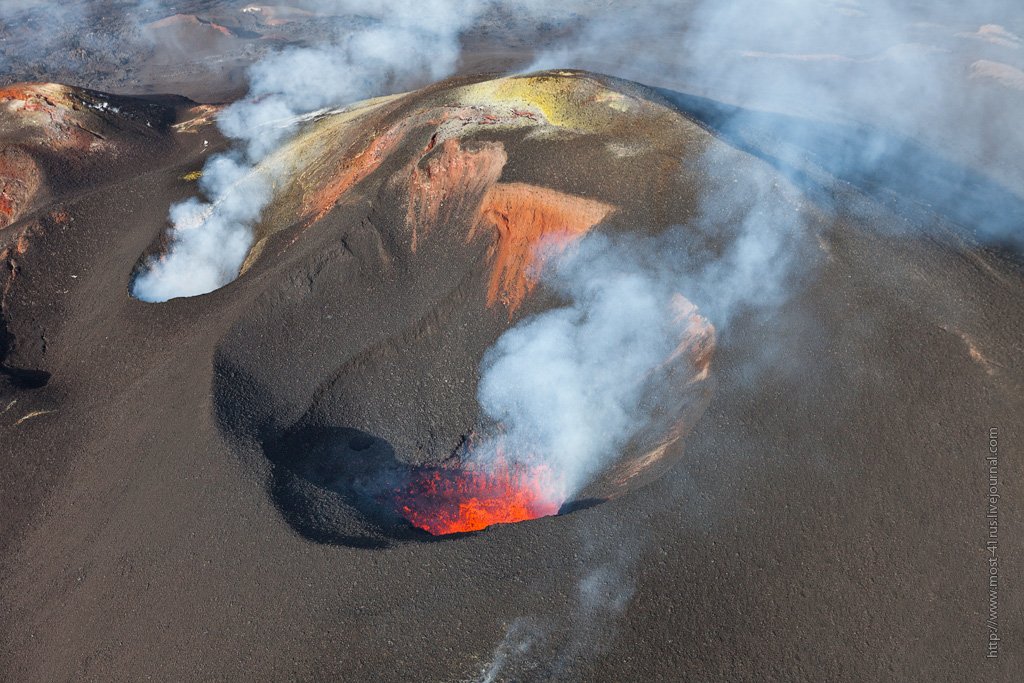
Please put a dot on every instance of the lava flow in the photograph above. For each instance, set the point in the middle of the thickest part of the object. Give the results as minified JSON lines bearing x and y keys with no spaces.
{"x":447,"y":501}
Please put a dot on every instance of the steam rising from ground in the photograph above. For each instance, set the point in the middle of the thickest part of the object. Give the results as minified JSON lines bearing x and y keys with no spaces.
{"x":571,"y":386}
{"x":552,"y":649}
{"x":568,"y":384}
{"x":209,"y":239}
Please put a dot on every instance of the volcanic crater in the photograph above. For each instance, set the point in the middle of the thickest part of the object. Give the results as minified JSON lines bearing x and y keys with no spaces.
{"x":447,"y":204}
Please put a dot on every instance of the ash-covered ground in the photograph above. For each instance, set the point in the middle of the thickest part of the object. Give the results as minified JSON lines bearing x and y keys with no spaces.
{"x":750,"y":320}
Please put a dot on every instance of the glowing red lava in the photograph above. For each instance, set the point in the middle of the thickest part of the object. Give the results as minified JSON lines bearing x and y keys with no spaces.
{"x":448,"y":501}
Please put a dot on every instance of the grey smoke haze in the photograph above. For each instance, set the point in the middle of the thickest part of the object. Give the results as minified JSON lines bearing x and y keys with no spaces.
{"x":908,"y":70}
{"x":553,"y":648}
{"x":48,"y":38}
{"x":402,"y":47}
{"x":520,"y":638}
{"x":551,"y":651}
{"x":924,"y":96}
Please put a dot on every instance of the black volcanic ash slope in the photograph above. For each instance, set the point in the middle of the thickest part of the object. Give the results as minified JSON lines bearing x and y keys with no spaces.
{"x":167,"y":496}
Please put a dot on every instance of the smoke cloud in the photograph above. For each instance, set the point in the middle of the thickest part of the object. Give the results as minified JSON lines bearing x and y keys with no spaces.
{"x":573,"y":385}
{"x":209,"y":240}
{"x":915,"y":97}
{"x":567,"y":384}
{"x":397,"y":49}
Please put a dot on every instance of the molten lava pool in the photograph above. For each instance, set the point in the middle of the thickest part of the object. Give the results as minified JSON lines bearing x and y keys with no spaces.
{"x":445,"y":501}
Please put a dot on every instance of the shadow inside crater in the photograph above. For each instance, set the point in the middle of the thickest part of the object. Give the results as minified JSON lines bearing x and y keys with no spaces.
{"x":333,"y":485}
{"x":24,"y":378}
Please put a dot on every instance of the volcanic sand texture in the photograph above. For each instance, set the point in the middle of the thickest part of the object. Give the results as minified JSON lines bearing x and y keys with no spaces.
{"x":830,"y":504}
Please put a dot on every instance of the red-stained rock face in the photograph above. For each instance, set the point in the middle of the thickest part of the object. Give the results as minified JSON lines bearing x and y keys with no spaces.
{"x":47,"y":108}
{"x":454,"y":182}
{"x":20,"y":181}
{"x":532,"y":224}
{"x":360,"y":161}
{"x":318,"y":203}
{"x":451,"y":184}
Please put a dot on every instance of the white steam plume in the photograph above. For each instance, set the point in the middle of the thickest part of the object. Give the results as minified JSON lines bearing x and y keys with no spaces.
{"x":567,"y":384}
{"x":406,"y":43}
{"x":573,"y":385}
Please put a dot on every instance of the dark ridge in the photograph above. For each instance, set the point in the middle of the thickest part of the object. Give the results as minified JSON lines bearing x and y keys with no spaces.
{"x":881,"y":164}
{"x":330,"y":483}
